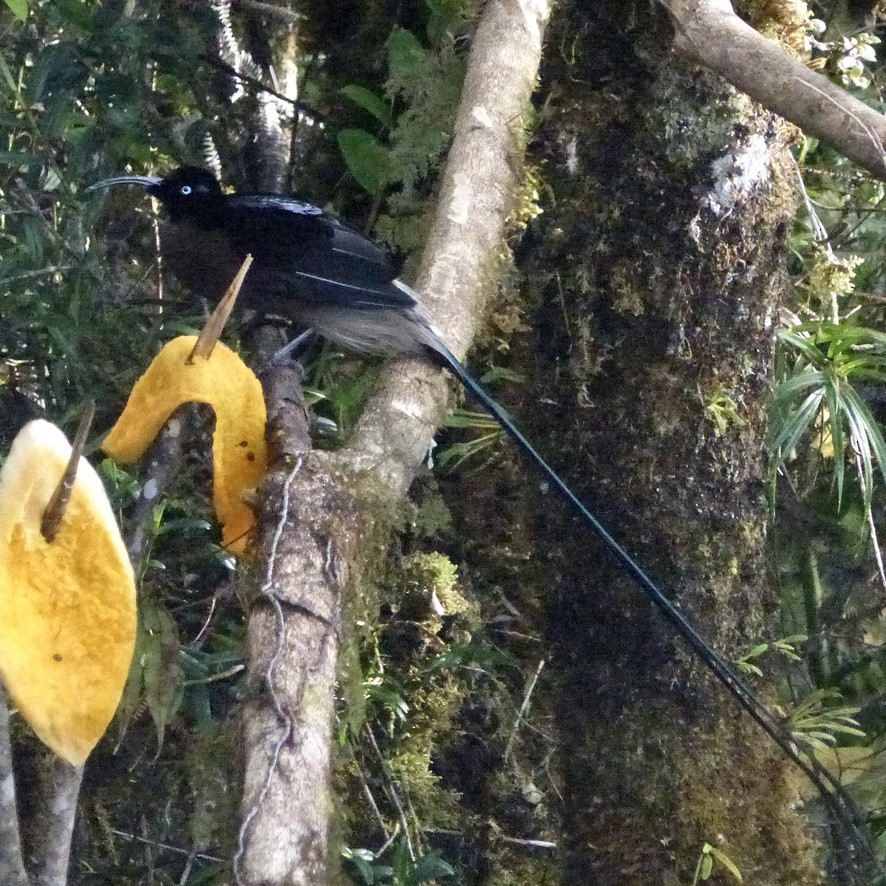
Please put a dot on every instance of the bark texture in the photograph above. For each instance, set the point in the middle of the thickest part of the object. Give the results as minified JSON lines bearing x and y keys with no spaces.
{"x":293,"y":649}
{"x":12,"y":868}
{"x":62,"y":790}
{"x":323,"y":513}
{"x":710,"y":32}
{"x":463,"y":256}
{"x":674,"y":197}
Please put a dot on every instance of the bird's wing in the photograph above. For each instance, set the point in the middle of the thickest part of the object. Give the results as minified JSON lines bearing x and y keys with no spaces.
{"x":273,"y":204}
{"x":300,"y":252}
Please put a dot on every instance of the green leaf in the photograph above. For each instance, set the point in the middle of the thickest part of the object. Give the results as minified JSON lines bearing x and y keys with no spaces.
{"x":20,"y":158}
{"x":370,"y":102}
{"x":727,"y":863}
{"x":19,"y":8}
{"x":367,"y":159}
{"x":707,"y":865}
{"x":475,"y":653}
{"x":362,"y":860}
{"x":478,"y":421}
{"x":758,"y":650}
{"x":406,"y":56}
{"x":835,"y":424}
{"x":388,"y":694}
{"x":869,"y":423}
{"x":796,"y":424}
{"x":130,"y":701}
{"x":801,"y":381}
{"x":159,"y":652}
{"x":859,"y":436}
{"x":748,"y":668}
{"x":452,"y":457}
{"x":156,"y":670}
{"x":501,"y":373}
{"x":803,"y":344}
{"x":429,"y":867}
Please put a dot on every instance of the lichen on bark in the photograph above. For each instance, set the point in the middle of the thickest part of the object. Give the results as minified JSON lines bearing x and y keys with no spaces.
{"x":674,"y":197}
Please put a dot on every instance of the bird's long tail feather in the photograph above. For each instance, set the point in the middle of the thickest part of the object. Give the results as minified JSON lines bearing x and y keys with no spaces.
{"x":834,"y":795}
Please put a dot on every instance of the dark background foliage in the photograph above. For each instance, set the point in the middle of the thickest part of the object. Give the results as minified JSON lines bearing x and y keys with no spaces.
{"x":90,"y":89}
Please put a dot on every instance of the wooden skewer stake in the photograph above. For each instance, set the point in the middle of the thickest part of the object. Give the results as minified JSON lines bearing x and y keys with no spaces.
{"x":215,"y":325}
{"x":58,"y":503}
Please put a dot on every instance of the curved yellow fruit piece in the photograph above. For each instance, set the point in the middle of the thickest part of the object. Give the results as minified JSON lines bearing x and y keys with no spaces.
{"x":67,"y":609}
{"x":230,"y":387}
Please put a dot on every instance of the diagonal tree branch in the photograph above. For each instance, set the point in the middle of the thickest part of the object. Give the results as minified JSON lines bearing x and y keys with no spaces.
{"x":323,"y":513}
{"x":461,"y":258}
{"x":710,"y":32}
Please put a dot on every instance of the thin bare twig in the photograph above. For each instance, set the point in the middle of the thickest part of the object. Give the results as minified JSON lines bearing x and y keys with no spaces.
{"x":372,"y":804}
{"x":186,"y":873}
{"x":878,"y":555}
{"x":207,"y":621}
{"x":165,"y":846}
{"x":257,"y":84}
{"x":523,"y":708}
{"x":386,"y":845}
{"x":819,"y":231}
{"x":221,"y":675}
{"x":41,"y":272}
{"x":288,"y":15}
{"x":391,"y":789}
{"x":535,"y":844}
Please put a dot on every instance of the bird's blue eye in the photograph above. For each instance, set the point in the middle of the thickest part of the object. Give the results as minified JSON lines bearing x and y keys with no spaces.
{"x":185,"y":190}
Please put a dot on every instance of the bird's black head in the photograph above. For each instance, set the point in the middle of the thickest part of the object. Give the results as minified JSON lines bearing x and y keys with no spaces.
{"x":189,"y":193}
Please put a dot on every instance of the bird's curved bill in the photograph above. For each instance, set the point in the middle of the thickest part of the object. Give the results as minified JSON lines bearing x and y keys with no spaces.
{"x":143,"y":180}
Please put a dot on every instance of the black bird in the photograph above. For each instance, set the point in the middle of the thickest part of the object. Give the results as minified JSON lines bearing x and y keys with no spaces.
{"x":328,"y":277}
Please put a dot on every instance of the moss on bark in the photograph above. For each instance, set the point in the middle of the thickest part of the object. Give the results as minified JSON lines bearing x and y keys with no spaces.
{"x":673,"y":199}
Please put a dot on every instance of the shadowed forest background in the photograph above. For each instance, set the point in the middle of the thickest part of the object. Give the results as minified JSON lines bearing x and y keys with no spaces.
{"x":685,"y":314}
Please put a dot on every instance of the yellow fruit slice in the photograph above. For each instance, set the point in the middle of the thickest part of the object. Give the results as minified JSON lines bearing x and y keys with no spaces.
{"x":230,"y":387}
{"x":67,"y":608}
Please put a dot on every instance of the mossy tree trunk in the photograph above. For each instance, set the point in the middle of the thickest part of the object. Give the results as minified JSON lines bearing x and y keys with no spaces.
{"x":660,"y":272}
